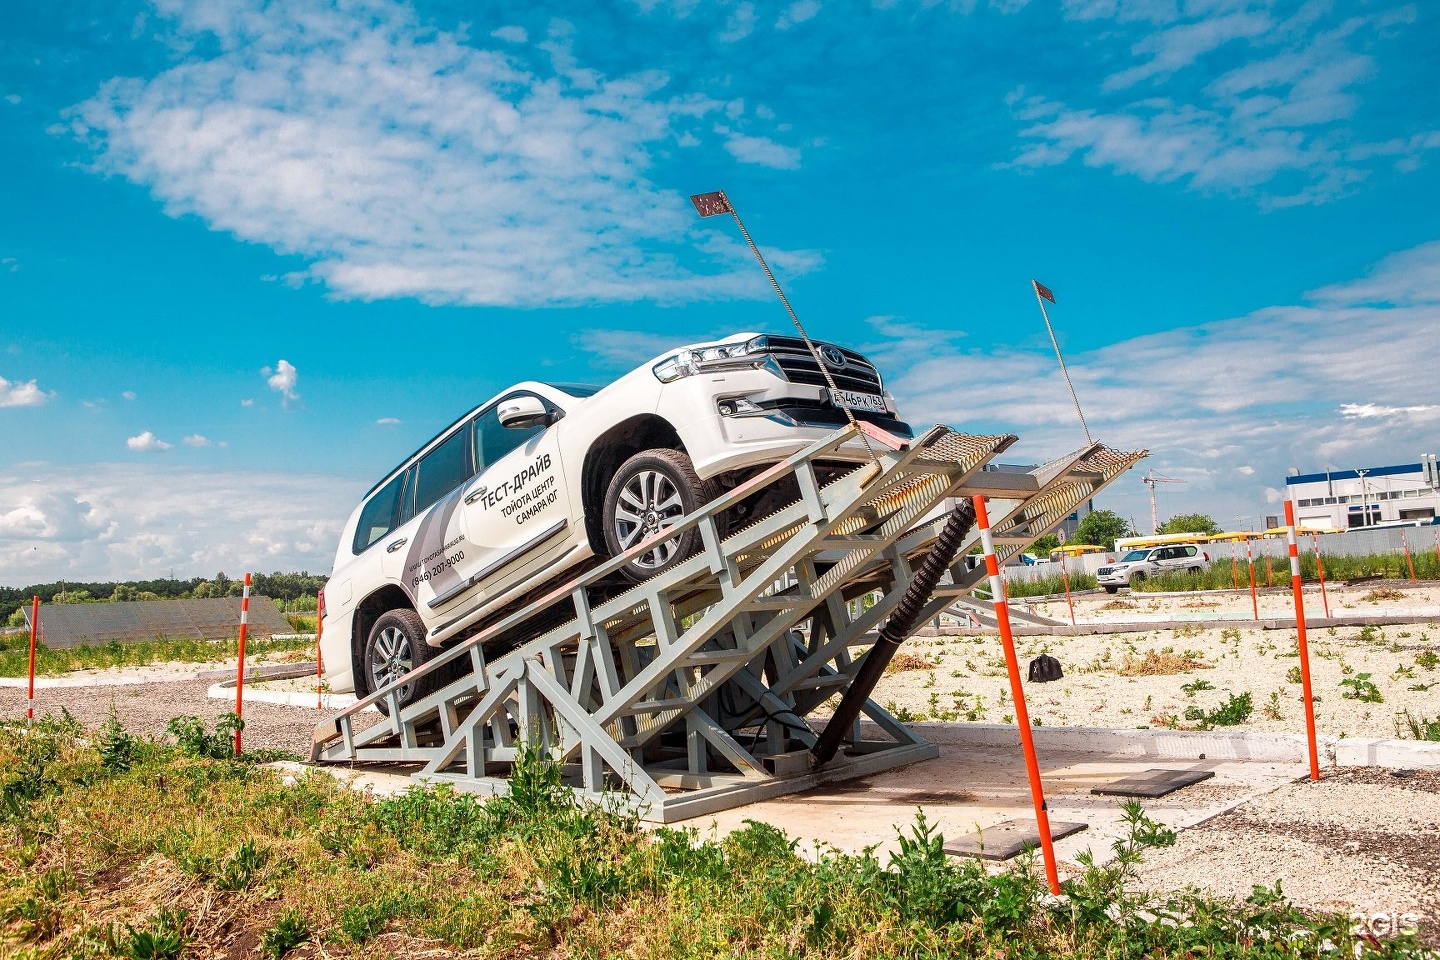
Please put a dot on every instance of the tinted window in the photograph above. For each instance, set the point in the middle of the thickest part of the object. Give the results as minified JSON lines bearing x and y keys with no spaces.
{"x":577,"y":389}
{"x":493,"y":441}
{"x":1132,"y":556}
{"x":1190,"y":551}
{"x":442,"y":469}
{"x":378,"y":516}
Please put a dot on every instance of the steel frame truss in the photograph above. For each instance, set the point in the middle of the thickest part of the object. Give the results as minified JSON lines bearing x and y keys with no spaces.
{"x":692,"y":692}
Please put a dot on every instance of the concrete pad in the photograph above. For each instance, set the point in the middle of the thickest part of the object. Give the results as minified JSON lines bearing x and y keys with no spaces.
{"x":1153,"y":784}
{"x":1007,"y":839}
{"x":972,"y":786}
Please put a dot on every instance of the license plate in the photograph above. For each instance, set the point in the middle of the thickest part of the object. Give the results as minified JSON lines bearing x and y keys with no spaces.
{"x":859,"y":401}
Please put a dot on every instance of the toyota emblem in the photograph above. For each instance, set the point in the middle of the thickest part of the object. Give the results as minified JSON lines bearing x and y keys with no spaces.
{"x":832,"y":356}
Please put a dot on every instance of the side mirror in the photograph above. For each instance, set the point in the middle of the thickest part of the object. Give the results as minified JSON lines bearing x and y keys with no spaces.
{"x":524,"y":412}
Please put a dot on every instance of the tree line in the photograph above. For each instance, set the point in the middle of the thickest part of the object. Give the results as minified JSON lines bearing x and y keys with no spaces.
{"x":277,"y":586}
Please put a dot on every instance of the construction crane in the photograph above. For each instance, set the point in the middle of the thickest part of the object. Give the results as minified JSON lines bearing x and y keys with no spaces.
{"x":1150,"y":479}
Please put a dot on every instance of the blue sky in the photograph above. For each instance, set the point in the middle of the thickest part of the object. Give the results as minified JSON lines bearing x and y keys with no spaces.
{"x":251,"y":254}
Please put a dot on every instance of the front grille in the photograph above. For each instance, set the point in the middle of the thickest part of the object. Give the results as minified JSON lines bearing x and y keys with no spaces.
{"x":1103,"y":571}
{"x":799,"y":366}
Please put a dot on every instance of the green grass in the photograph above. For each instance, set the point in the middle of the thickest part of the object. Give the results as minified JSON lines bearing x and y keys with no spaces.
{"x":1049,"y":585}
{"x":1219,"y":576}
{"x":1417,"y":728}
{"x":154,"y":852}
{"x":15,"y":653}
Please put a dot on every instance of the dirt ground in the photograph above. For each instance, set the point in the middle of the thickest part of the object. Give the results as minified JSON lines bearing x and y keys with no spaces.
{"x":1363,"y":677}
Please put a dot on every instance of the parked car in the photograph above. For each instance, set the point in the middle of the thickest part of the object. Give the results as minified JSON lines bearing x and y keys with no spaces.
{"x":542,"y":479}
{"x":1138,"y":565}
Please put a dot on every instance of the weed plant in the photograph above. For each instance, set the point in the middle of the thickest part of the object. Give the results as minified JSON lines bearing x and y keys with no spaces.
{"x":1418,"y":728}
{"x":159,"y":852}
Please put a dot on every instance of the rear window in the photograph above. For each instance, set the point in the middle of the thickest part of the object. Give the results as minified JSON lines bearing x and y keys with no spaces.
{"x":442,"y":469}
{"x":378,"y":516}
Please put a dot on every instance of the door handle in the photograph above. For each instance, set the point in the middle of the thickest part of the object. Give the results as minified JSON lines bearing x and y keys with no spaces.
{"x":475,"y":494}
{"x":397,"y":544}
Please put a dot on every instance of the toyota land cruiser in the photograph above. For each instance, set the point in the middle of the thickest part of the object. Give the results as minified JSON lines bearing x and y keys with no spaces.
{"x":543,"y":479}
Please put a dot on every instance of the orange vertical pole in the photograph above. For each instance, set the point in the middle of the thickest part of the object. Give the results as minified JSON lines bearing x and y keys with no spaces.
{"x":319,"y":658}
{"x":240,"y":678}
{"x":34,"y":631}
{"x":1234,"y":566}
{"x":1320,"y":571}
{"x":1066,"y":575}
{"x":1017,"y":693}
{"x":1250,"y":566}
{"x":1406,"y":544}
{"x":1300,"y":635}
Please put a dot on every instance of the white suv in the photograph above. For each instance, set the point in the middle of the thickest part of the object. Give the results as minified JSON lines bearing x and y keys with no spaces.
{"x":1138,"y":565}
{"x":543,"y":478}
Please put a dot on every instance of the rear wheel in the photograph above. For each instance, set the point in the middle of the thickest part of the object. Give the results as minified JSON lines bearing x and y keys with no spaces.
{"x":650,"y":493}
{"x":397,"y":647}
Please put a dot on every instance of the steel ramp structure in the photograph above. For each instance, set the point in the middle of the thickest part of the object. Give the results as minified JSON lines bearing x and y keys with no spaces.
{"x":693,"y":692}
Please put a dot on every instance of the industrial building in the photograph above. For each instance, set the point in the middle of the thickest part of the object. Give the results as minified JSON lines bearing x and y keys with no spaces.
{"x":1345,"y":499}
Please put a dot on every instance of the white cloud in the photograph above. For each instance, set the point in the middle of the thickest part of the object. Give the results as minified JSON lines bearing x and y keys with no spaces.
{"x":247,"y":402}
{"x":147,"y":442}
{"x":610,"y":349}
{"x":127,"y":521}
{"x":740,"y":24}
{"x":1278,"y":126}
{"x":402,"y":162}
{"x":762,"y":151}
{"x":1243,"y":399}
{"x":511,"y":34}
{"x":128,"y":395}
{"x":13,"y":393}
{"x":282,"y":379}
{"x":1367,"y":411}
{"x":197,"y":440}
{"x":798,"y":12}
{"x":387,"y":421}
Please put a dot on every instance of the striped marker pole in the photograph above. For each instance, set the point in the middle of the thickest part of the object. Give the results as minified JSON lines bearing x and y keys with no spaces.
{"x":1065,"y":574}
{"x":240,"y":678}
{"x":1017,"y":693}
{"x":1410,"y":562}
{"x":1269,"y":571}
{"x":1300,"y":635}
{"x":1250,"y":566}
{"x":1320,"y":570}
{"x":319,"y":660}
{"x":34,"y":631}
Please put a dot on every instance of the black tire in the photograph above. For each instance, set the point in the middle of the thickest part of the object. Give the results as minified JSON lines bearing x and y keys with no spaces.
{"x":649,"y":493}
{"x":1112,"y":589}
{"x":395,"y":647}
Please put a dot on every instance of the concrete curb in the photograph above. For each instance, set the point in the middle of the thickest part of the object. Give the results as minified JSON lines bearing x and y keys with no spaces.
{"x":1192,"y":745}
{"x":95,"y":680}
{"x":269,"y":671}
{"x":284,"y":698}
{"x":1146,"y":626}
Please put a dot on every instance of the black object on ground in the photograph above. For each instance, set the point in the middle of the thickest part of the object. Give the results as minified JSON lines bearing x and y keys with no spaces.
{"x":1044,"y":669}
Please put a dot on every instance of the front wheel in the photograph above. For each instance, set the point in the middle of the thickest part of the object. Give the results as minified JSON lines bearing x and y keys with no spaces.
{"x":396,"y":647}
{"x":651,"y":492}
{"x":1112,"y":589}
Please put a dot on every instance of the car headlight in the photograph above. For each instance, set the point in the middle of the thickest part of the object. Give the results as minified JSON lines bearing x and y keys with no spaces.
{"x":719,"y":356}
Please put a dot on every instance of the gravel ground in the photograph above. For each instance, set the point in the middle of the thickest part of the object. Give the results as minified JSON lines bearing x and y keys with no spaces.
{"x":1361,"y":841}
{"x":964,"y":678}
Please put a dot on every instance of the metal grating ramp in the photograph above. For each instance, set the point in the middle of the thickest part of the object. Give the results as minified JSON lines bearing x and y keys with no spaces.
{"x":694,"y":691}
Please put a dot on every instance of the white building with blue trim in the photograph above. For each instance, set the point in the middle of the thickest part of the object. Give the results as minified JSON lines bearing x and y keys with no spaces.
{"x":1346,"y":499}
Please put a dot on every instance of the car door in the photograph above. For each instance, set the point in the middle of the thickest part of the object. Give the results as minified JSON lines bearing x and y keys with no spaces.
{"x":426,"y":551}
{"x":516,"y":509}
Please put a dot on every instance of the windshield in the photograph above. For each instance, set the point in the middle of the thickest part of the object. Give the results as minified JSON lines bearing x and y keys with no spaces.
{"x":581,"y":390}
{"x":1133,"y":556}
